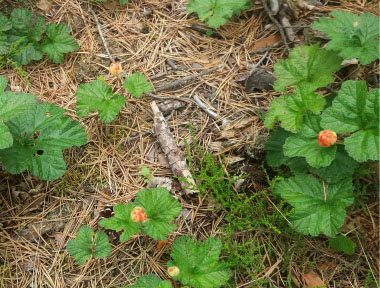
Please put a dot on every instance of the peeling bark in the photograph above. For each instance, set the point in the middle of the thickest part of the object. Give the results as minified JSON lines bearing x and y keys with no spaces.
{"x":172,"y":153}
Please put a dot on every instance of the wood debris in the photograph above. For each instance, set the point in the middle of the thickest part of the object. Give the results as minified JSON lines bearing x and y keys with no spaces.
{"x":171,"y":151}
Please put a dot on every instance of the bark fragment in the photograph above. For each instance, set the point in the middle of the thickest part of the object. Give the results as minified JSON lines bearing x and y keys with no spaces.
{"x":172,"y":153}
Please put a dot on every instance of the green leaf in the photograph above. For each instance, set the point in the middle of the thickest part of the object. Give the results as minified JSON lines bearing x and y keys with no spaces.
{"x":4,"y":45}
{"x":160,"y":208}
{"x":306,"y":64}
{"x":275,"y":154}
{"x":58,"y":42}
{"x":5,"y":23}
{"x":27,"y":23}
{"x":6,"y":139}
{"x":304,"y":144}
{"x":198,"y":263}
{"x":97,"y":96}
{"x":291,"y":109}
{"x":101,"y":245}
{"x":352,"y":36}
{"x":145,"y":171}
{"x":342,"y":244}
{"x":136,"y":85}
{"x":25,"y":51}
{"x":121,"y":221}
{"x":343,"y":166}
{"x":40,"y":134}
{"x":82,"y":247}
{"x":11,"y":105}
{"x":216,"y":12}
{"x":318,"y":208}
{"x":356,"y":110}
{"x":151,"y":281}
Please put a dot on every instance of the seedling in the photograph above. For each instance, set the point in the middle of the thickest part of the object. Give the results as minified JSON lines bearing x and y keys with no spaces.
{"x":197,"y":263}
{"x":151,"y":212}
{"x":146,"y":173}
{"x":85,"y":245}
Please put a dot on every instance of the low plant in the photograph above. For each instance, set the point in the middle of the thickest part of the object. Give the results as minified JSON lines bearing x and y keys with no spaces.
{"x":21,"y":38}
{"x":86,"y":244}
{"x":151,"y":212}
{"x":323,"y":141}
{"x":215,"y":13}
{"x":98,"y":96}
{"x":34,"y":135}
{"x":151,"y":281}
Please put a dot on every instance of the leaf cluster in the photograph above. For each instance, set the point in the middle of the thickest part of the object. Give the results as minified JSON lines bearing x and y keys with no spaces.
{"x":98,"y":96}
{"x":319,"y":207}
{"x":352,"y":36}
{"x":24,"y":37}
{"x":34,"y":135}
{"x":160,"y":207}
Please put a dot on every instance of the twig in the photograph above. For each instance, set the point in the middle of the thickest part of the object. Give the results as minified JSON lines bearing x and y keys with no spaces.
{"x":172,"y":152}
{"x":274,"y":20}
{"x":208,"y":111}
{"x":101,"y":35}
{"x":257,"y":64}
{"x":182,"y":81}
{"x":275,"y":6}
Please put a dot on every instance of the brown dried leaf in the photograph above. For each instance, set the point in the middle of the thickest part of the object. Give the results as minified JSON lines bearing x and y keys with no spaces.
{"x":313,"y":280}
{"x":267,"y":42}
{"x":44,"y":5}
{"x":161,"y":244}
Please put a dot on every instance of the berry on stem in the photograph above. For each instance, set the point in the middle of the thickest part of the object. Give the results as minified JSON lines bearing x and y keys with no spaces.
{"x":138,"y":215}
{"x":173,"y":271}
{"x":326,"y":138}
{"x":115,"y":69}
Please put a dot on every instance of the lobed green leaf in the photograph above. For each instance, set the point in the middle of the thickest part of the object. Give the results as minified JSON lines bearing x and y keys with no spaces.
{"x":97,"y":96}
{"x":317,"y":208}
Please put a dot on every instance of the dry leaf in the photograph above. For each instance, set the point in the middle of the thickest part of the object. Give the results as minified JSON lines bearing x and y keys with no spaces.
{"x":44,"y":5}
{"x":313,"y":280}
{"x":161,"y":244}
{"x":267,"y":42}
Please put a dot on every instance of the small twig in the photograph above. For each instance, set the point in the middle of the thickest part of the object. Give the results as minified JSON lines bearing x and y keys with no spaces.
{"x":172,"y":64}
{"x":275,"y":6}
{"x":101,"y":35}
{"x":182,"y":81}
{"x":254,"y":68}
{"x":274,"y":20}
{"x":208,"y":111}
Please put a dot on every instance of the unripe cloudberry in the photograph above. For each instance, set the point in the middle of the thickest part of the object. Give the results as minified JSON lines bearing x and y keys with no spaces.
{"x":326,"y":138}
{"x":173,"y":271}
{"x":138,"y":214}
{"x":115,"y":69}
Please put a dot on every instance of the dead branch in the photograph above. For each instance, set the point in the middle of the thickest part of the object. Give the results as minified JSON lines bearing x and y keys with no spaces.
{"x":171,"y":151}
{"x":102,"y":36}
{"x":208,"y":111}
{"x":183,"y":80}
{"x":275,"y":22}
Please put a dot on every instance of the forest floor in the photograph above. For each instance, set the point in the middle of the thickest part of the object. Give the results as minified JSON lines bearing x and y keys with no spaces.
{"x":161,"y":40}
